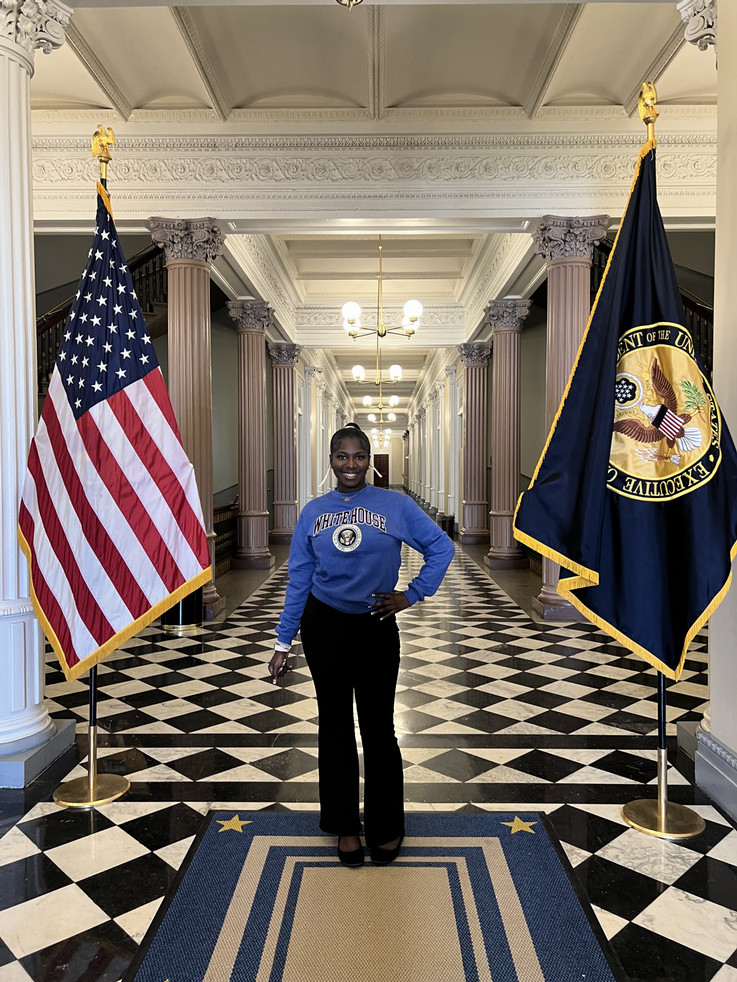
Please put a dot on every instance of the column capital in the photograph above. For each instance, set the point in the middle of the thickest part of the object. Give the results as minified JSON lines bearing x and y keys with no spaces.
{"x":250,"y":315}
{"x":569,"y":238}
{"x":187,"y":238}
{"x":700,"y":18}
{"x":311,"y":372}
{"x":452,"y":372}
{"x":284,"y":354}
{"x":507,"y":315}
{"x":32,"y":24}
{"x":474,"y":353}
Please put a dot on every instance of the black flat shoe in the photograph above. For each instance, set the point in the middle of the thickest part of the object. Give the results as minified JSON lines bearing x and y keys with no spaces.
{"x":382,"y":857}
{"x":352,"y":857}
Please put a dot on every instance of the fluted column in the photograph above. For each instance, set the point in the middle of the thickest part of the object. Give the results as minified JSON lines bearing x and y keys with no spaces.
{"x":25,"y":725}
{"x":475,"y":358}
{"x":432,"y":447}
{"x":307,"y":479}
{"x":284,"y":358}
{"x":567,"y":246}
{"x":454,"y":441}
{"x":252,"y":318}
{"x":190,"y":247}
{"x":440,"y":449}
{"x":506,"y":318}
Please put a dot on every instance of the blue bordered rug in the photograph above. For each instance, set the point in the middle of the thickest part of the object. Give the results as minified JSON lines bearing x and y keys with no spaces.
{"x":262,"y":897}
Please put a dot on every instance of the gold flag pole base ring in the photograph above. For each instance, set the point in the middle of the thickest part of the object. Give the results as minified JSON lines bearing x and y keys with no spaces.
{"x":679,"y":822}
{"x":77,"y":793}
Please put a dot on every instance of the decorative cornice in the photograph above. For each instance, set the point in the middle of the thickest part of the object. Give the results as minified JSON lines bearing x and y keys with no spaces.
{"x":569,"y":238}
{"x":284,"y":355}
{"x":473,"y":354}
{"x":250,"y":315}
{"x":700,"y":18}
{"x":32,"y":24}
{"x":507,"y":315}
{"x":187,"y":238}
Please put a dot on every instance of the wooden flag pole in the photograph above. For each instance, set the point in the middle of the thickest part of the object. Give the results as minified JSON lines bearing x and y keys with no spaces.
{"x":95,"y":789}
{"x":658,"y":816}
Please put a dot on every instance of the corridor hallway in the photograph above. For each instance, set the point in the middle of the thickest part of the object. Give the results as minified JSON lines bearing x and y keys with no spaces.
{"x":494,"y":712}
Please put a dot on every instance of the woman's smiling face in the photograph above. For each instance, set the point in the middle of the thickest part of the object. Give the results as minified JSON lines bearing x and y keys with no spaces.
{"x":350,"y":461}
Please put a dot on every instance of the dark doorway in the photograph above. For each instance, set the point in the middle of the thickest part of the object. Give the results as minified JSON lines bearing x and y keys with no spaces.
{"x":381,"y":463}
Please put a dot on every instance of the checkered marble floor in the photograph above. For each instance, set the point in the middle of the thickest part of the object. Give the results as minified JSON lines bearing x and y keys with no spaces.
{"x":494,"y":711}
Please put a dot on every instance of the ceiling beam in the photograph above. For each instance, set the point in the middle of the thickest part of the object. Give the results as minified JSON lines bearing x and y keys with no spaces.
{"x":98,"y":71}
{"x":556,"y":49}
{"x":202,"y":63}
{"x":657,"y":66}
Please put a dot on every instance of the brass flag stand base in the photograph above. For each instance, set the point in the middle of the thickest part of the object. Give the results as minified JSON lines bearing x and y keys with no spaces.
{"x":658,"y":816}
{"x":95,"y":789}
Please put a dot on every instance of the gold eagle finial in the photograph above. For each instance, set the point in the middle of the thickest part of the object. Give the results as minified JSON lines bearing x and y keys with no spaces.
{"x":646,"y":107}
{"x":102,"y":140}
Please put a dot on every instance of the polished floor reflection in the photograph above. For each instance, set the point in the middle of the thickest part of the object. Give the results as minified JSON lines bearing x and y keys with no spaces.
{"x":493,"y":710}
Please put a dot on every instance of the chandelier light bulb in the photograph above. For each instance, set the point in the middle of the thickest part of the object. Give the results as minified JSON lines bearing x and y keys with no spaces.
{"x":351,"y":311}
{"x":412,"y":310}
{"x":391,"y":417}
{"x":358,"y":373}
{"x":371,"y":417}
{"x":394,"y":401}
{"x":387,"y":433}
{"x":367,"y":400}
{"x":395,"y":373}
{"x":374,"y":431}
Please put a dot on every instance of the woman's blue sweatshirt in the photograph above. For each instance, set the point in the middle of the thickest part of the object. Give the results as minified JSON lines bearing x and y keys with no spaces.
{"x":347,"y":547}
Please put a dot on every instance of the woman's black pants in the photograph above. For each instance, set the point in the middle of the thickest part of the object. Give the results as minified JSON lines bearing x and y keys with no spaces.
{"x":355,"y":655}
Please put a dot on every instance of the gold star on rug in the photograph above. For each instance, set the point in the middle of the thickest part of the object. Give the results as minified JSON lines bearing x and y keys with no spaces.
{"x":519,"y":826}
{"x":233,"y":824}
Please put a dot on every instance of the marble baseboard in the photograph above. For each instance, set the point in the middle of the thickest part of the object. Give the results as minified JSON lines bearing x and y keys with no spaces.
{"x":716,"y":772}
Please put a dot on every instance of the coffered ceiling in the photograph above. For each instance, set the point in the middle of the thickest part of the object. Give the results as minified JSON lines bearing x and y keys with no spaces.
{"x":438,"y":73}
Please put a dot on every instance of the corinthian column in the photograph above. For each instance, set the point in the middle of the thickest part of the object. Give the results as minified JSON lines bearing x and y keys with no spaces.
{"x":505,"y":317}
{"x":567,"y":246}
{"x":29,"y":740}
{"x":284,"y":358}
{"x":191,"y":246}
{"x":252,"y":318}
{"x":474,"y":504}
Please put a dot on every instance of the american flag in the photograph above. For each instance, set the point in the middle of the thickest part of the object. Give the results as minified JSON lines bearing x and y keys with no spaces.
{"x":110,"y":518}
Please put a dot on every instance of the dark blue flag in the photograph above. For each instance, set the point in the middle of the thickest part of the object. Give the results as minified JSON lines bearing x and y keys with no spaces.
{"x":636,"y":489}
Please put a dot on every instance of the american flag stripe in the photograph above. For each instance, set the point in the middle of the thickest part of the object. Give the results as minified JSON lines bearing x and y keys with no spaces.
{"x":153,"y":456}
{"x":110,"y":519}
{"x":101,"y":502}
{"x":89,"y":531}
{"x":124,"y":478}
{"x":52,"y":604}
{"x":55,"y":556}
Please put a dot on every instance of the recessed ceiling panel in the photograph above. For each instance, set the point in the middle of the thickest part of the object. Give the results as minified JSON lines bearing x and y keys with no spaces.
{"x":288,"y":57}
{"x":60,"y":81}
{"x":611,"y":52}
{"x":471,"y":55}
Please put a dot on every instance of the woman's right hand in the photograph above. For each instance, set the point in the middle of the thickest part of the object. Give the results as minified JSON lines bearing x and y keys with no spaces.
{"x":278,"y":664}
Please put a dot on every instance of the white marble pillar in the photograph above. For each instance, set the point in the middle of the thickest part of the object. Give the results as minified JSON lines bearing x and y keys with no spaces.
{"x":432,"y":448}
{"x":454,"y":441}
{"x":506,"y":318}
{"x":567,"y":246}
{"x":440,"y":449}
{"x":284,"y":358}
{"x":252,"y":318}
{"x":716,"y":752}
{"x":475,"y":358}
{"x":190,"y":247}
{"x":29,"y":740}
{"x":307,"y":478}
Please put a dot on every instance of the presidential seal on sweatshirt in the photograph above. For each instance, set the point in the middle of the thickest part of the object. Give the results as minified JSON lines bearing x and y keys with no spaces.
{"x":346,"y":538}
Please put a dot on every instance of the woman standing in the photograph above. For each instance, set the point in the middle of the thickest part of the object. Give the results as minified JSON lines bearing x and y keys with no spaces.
{"x":343,"y":566}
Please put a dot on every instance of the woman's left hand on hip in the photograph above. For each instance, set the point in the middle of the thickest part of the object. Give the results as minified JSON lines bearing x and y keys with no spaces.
{"x":389,"y":603}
